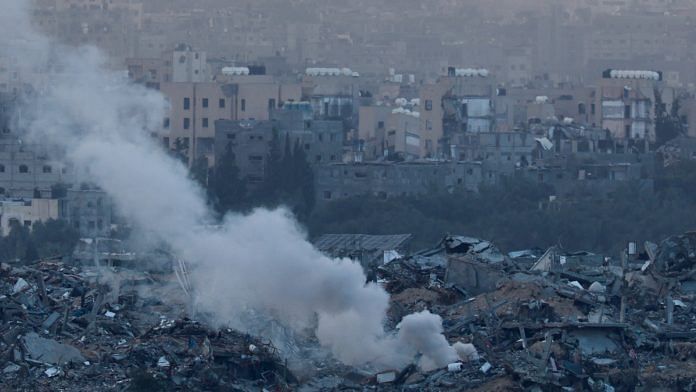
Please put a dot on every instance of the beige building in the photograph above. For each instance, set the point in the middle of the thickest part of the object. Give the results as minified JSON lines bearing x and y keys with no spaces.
{"x":26,"y":212}
{"x":194,"y":108}
{"x":625,"y":103}
{"x":462,"y":101}
{"x":371,"y":130}
{"x":403,"y":133}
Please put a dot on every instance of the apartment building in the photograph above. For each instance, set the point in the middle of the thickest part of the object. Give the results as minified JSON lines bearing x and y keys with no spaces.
{"x":625,"y":102}
{"x":462,"y":101}
{"x":196,"y":106}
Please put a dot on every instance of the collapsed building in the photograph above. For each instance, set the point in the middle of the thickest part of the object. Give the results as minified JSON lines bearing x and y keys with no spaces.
{"x":527,"y":320}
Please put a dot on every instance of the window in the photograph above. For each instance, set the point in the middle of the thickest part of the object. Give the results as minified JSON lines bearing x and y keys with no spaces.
{"x":187,"y":123}
{"x":581,"y":108}
{"x":428,"y":105}
{"x":271,"y":103}
{"x":327,"y":195}
{"x":205,"y":102}
{"x":2,"y":168}
{"x":187,"y":103}
{"x":243,"y":105}
{"x":23,"y":169}
{"x":166,"y":123}
{"x":221,"y":103}
{"x":255,"y":158}
{"x":380,"y":125}
{"x":27,"y":223}
{"x":205,"y":123}
{"x":47,"y":169}
{"x":627,"y":111}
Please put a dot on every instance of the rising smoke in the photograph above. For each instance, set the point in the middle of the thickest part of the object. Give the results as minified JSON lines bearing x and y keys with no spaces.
{"x":259,"y":262}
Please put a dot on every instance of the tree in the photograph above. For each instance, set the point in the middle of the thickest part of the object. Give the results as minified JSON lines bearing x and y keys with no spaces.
{"x":180,"y":150}
{"x":14,"y":245}
{"x":667,"y":125}
{"x":54,"y":238}
{"x":199,"y":171}
{"x":59,"y":190}
{"x":226,"y":189}
{"x":269,"y":191}
{"x":304,"y":181}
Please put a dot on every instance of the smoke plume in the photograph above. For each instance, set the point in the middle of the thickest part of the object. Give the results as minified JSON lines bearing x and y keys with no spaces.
{"x":259,"y":262}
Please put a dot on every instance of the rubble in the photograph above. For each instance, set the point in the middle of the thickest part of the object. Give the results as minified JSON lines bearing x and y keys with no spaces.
{"x":569,"y":321}
{"x":63,"y":330}
{"x":565,"y":322}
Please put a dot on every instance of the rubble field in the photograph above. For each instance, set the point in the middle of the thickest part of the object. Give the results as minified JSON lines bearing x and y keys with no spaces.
{"x":552,"y":322}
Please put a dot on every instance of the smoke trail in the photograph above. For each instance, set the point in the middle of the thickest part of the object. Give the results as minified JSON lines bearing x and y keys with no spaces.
{"x":260,"y":262}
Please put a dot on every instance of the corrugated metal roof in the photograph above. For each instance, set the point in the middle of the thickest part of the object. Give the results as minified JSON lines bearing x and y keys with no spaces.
{"x":333,"y":242}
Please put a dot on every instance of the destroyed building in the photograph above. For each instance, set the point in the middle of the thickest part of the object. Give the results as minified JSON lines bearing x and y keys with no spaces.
{"x":368,"y":250}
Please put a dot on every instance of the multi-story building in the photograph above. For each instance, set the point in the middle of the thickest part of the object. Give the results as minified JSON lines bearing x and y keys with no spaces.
{"x":403,"y":133}
{"x":195,"y":107}
{"x":249,"y":141}
{"x":27,"y":169}
{"x":334,"y":94}
{"x":190,"y":65}
{"x":386,"y":180}
{"x":625,"y":103}
{"x":88,"y":210}
{"x":26,"y":212}
{"x":506,"y":150}
{"x":388,"y":131}
{"x":460,"y":102}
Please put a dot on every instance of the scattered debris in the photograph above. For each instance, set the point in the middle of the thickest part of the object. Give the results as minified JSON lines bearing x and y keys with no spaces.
{"x":565,"y":321}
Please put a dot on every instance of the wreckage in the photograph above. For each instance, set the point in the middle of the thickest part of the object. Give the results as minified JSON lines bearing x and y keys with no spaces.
{"x":528,"y":320}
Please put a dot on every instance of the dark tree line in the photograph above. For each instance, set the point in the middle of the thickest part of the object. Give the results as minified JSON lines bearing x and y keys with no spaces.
{"x":45,"y":239}
{"x":288,"y":180}
{"x":518,"y":215}
{"x":668,"y":125}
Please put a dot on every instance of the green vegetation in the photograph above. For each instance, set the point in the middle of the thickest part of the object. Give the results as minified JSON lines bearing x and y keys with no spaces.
{"x":45,"y":239}
{"x":288,"y":182}
{"x":518,"y":215}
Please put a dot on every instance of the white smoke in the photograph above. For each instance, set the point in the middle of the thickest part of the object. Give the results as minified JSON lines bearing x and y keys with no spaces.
{"x":259,"y":262}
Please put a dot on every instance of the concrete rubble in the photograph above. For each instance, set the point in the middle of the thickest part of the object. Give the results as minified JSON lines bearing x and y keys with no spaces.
{"x":557,"y":321}
{"x":562,"y":321}
{"x":64,"y":331}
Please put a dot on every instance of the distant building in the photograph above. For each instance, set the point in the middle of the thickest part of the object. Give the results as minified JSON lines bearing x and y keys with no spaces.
{"x":26,"y":212}
{"x":368,"y":250}
{"x":460,"y":102}
{"x":89,"y":211}
{"x":249,"y":141}
{"x":189,"y":65}
{"x":27,"y":170}
{"x":195,"y":107}
{"x":505,"y":150}
{"x":388,"y":180}
{"x":625,"y":103}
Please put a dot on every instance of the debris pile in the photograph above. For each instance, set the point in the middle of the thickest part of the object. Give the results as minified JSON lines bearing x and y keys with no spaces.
{"x":567,"y":321}
{"x":62,"y":330}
